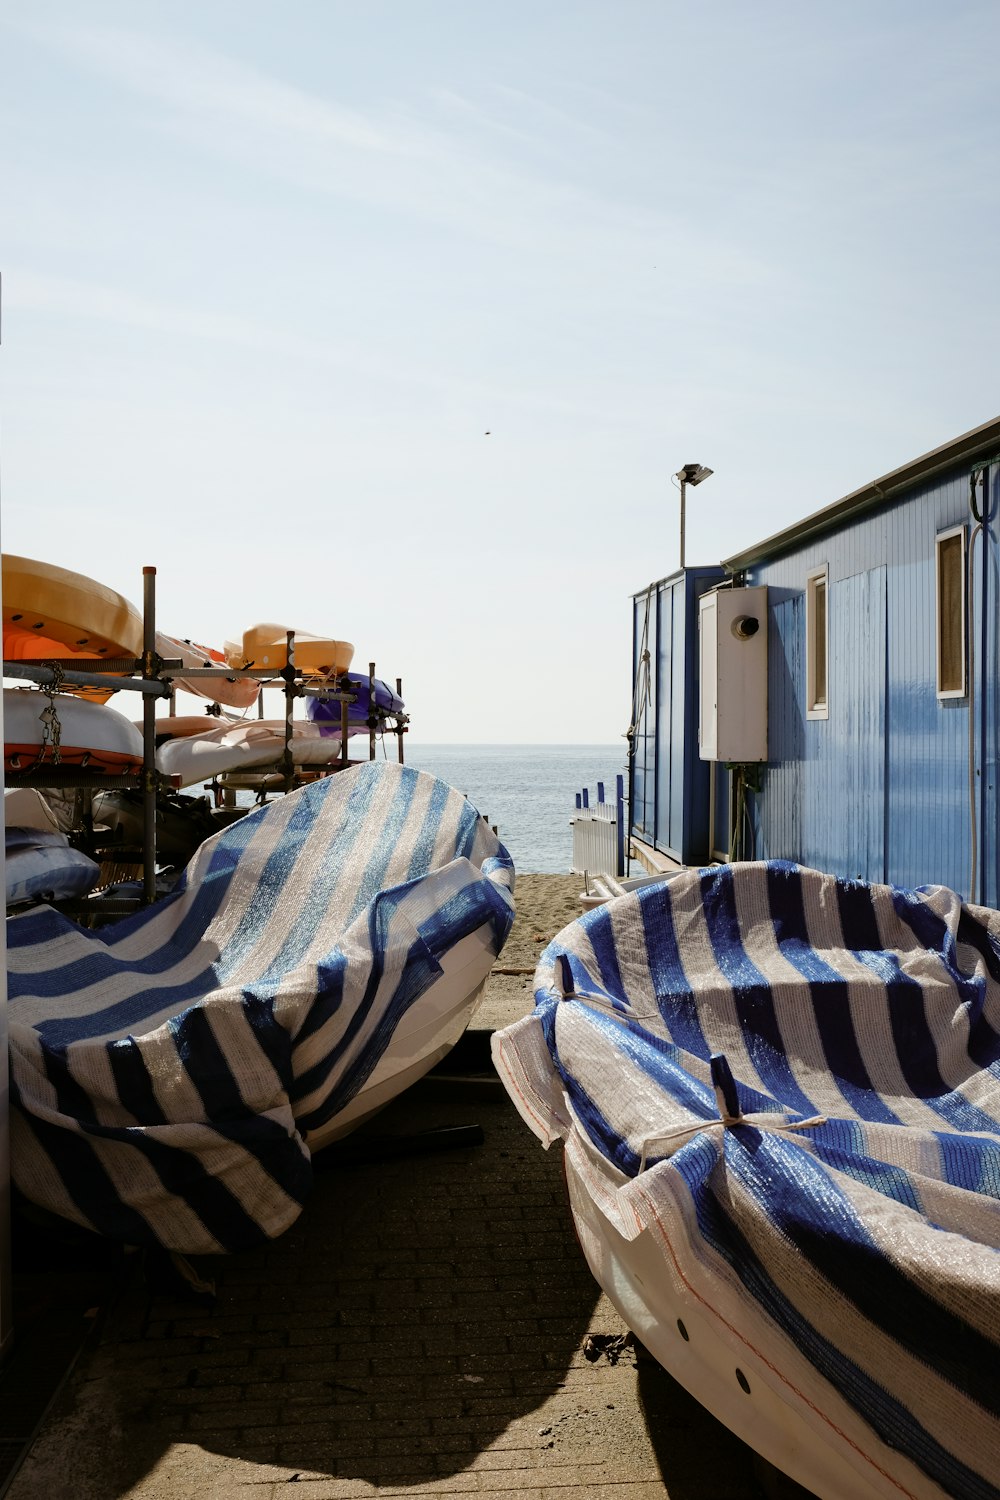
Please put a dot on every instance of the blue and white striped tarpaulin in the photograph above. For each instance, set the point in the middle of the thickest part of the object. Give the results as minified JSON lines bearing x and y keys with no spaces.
{"x":794,"y":1081}
{"x":166,"y":1069}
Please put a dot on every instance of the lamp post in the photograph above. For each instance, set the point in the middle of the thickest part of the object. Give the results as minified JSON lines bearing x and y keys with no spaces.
{"x":690,"y":474}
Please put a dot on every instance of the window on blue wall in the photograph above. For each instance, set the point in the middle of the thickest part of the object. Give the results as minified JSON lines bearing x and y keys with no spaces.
{"x":817,"y":645}
{"x":951,"y":630}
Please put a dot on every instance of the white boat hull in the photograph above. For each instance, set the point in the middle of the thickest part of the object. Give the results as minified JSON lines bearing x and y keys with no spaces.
{"x":781,"y":1408}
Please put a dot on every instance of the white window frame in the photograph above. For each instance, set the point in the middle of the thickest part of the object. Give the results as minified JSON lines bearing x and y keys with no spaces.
{"x":817,"y":708}
{"x":941,"y":537}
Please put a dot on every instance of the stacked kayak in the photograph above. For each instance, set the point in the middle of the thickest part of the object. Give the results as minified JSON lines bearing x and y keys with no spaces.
{"x":234,"y":692}
{"x":242,"y":744}
{"x":265,"y":647}
{"x":65,"y":734}
{"x":40,"y":729}
{"x":54,"y":614}
{"x":372,"y":699}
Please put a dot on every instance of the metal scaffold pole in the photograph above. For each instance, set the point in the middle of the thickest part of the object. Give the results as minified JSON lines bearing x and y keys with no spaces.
{"x":150,"y":672}
{"x":6,"y":1304}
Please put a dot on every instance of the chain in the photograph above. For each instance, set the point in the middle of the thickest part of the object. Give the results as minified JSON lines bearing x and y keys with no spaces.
{"x":49,"y":717}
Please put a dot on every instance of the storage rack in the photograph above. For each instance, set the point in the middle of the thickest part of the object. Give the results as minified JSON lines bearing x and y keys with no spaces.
{"x":131,"y":674}
{"x":152,"y":676}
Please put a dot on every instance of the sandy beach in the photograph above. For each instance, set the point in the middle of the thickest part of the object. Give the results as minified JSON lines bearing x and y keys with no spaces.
{"x":544,"y":905}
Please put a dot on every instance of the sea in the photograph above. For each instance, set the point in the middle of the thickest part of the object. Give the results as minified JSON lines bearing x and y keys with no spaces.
{"x":527,"y":791}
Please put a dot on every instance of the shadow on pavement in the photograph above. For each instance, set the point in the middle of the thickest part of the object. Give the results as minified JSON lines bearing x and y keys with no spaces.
{"x":417,"y":1308}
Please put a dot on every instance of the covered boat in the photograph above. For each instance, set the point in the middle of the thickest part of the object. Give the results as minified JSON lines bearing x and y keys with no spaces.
{"x":779,"y":1097}
{"x":173,"y":1073}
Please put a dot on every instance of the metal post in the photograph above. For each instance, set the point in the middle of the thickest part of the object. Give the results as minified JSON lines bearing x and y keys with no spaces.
{"x":712,"y":774}
{"x":683,"y":518}
{"x":6,"y":1309}
{"x":400,"y":727}
{"x":600,"y":791}
{"x":586,"y":796}
{"x":148,"y":738}
{"x":6,"y":1306}
{"x":619,"y":826}
{"x":289,"y":676}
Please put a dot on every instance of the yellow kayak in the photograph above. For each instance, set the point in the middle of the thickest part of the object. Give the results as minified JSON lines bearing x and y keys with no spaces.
{"x":54,"y":606}
{"x":266,"y":647}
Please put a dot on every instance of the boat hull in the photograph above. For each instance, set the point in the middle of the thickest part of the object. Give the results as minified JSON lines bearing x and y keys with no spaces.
{"x":806,"y":1430}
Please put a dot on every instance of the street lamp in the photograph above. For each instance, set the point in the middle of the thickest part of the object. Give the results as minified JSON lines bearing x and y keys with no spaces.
{"x":690,"y":474}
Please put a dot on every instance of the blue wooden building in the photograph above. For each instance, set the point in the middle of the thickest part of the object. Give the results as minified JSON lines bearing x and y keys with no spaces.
{"x":882,"y":627}
{"x":669,"y":785}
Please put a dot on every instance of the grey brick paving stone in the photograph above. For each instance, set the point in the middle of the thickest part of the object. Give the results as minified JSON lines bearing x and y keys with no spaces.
{"x":413,"y":1335}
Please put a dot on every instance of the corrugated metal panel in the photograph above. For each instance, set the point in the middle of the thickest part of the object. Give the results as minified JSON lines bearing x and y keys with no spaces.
{"x":643,"y":763}
{"x":781,"y":801}
{"x":668,"y":782}
{"x":855,"y":814}
{"x":667,"y":641}
{"x":880,"y":789}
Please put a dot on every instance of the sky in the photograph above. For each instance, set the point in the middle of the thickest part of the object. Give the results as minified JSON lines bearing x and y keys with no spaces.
{"x":392,"y":319}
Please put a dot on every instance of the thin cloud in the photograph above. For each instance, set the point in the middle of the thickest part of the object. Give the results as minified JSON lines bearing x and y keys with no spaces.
{"x":207,"y":85}
{"x":401,"y":162}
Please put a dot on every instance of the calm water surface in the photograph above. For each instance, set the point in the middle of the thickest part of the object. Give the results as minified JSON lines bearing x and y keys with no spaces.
{"x":528,"y":791}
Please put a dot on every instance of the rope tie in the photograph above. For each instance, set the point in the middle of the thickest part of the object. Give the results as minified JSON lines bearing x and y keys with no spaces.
{"x":761,"y":1122}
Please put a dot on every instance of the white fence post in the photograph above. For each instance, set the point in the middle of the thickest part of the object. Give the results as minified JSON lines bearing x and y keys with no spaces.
{"x":598,"y":833}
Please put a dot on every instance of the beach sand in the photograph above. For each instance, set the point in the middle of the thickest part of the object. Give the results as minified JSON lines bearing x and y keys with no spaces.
{"x":544,"y":904}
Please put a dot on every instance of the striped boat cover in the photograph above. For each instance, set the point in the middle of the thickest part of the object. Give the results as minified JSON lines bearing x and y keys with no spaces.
{"x":867,"y":1233}
{"x":164,"y":1067}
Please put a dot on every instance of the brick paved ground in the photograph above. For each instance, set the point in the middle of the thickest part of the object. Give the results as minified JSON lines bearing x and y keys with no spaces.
{"x":420,"y":1330}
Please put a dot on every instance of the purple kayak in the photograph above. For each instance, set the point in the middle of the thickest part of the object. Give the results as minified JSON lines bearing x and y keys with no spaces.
{"x":327,"y":712}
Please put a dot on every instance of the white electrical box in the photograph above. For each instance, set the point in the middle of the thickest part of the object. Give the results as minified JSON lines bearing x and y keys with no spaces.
{"x":732,"y":656}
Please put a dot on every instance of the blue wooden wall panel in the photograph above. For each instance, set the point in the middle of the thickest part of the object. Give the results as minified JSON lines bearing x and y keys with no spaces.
{"x":853,"y":827}
{"x":666,"y":646}
{"x":782,"y":778}
{"x":679,"y":808}
{"x":643,"y":787}
{"x":669,"y":784}
{"x":881,"y":787}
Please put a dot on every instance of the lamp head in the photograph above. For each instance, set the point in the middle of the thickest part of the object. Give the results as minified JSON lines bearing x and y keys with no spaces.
{"x":693,"y":473}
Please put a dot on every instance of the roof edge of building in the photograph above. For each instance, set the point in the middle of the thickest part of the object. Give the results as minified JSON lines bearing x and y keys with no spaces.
{"x":970,"y":445}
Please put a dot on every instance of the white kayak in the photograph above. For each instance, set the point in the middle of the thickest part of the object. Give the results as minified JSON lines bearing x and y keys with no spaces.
{"x":67,"y":731}
{"x":234,"y":691}
{"x":252,"y":742}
